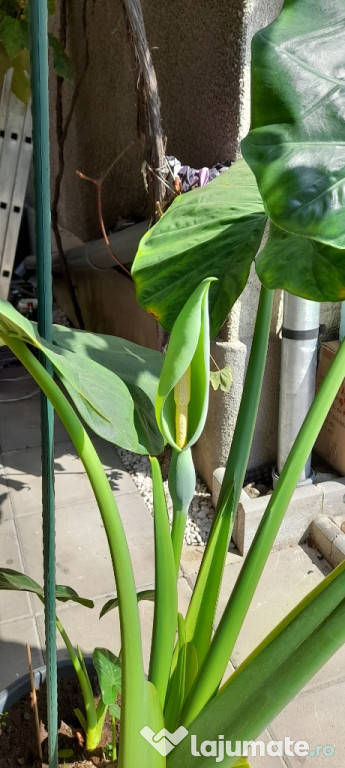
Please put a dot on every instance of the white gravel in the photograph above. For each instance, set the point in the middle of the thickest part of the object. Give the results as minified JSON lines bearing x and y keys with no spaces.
{"x":201,"y":510}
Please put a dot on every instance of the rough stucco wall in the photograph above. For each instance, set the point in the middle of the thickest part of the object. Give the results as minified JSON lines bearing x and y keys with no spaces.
{"x":196,"y":49}
{"x":201,"y":52}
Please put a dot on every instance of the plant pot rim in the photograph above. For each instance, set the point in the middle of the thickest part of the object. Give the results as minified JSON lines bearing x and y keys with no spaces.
{"x":22,"y":686}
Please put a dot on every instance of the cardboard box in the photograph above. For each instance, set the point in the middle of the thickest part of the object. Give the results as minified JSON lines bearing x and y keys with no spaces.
{"x":330,"y":443}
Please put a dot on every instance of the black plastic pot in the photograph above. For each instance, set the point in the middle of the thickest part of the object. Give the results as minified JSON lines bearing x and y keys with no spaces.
{"x":21,"y":687}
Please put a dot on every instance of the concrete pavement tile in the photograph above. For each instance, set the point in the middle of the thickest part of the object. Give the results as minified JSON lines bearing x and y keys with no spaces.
{"x":84,"y":628}
{"x":12,"y":604}
{"x":6,"y":510}
{"x":138,"y":525}
{"x":184,"y":595}
{"x":82,"y":557}
{"x":13,"y":658}
{"x":267,"y":761}
{"x":318,"y":718}
{"x":119,"y":478}
{"x":288,"y":576}
{"x":20,"y":424}
{"x":192,"y":557}
{"x":23,"y":474}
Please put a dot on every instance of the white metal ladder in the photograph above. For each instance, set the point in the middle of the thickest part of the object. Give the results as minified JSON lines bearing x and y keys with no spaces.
{"x":15,"y":159}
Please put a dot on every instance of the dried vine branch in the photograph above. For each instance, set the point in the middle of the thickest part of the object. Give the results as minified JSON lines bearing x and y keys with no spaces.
{"x":62,"y":128}
{"x":149,"y":116}
{"x":98,"y":183}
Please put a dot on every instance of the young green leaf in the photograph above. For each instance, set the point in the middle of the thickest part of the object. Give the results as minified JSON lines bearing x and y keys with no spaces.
{"x":109,"y":674}
{"x":183,"y":390}
{"x":12,"y":35}
{"x":221,"y":379}
{"x":61,"y":62}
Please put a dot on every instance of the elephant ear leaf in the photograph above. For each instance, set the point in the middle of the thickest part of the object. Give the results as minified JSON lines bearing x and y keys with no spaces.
{"x":296,"y":146}
{"x":318,"y":269}
{"x":214,"y":230}
{"x":138,"y":367}
{"x":100,"y":396}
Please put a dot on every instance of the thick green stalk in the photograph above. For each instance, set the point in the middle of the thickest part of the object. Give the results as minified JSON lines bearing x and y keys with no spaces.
{"x":177,"y":534}
{"x":113,"y":739}
{"x":201,"y":611}
{"x":165,"y":615}
{"x":133,"y":692}
{"x":227,"y":632}
{"x":182,"y":489}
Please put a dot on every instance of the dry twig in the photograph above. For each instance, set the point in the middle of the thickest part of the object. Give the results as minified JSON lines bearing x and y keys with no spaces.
{"x":34,"y":703}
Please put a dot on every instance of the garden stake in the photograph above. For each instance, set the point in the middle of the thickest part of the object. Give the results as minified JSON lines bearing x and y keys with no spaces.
{"x":40,"y":113}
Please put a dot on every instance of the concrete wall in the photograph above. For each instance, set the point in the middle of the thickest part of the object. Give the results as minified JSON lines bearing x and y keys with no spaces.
{"x":196,"y":49}
{"x":201,"y":52}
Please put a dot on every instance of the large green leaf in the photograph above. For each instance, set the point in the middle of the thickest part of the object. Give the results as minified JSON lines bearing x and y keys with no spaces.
{"x":301,"y":266}
{"x":273,"y":674}
{"x":138,"y":367}
{"x":20,"y":582}
{"x":214,"y":230}
{"x":101,"y":397}
{"x":296,"y":148}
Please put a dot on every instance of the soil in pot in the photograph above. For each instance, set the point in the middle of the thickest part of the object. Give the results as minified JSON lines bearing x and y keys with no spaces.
{"x":18,"y":740}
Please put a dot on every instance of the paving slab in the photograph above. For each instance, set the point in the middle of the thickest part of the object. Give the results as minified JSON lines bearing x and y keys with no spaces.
{"x":317,"y":719}
{"x":6,"y":509}
{"x":288,"y":576}
{"x":20,"y":424}
{"x":13,"y":605}
{"x":13,"y":658}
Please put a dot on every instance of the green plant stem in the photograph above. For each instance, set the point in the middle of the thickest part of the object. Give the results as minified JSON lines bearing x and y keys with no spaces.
{"x":165,"y":614}
{"x":229,"y":627}
{"x":113,"y":740}
{"x":132,"y":661}
{"x":177,"y":534}
{"x":201,"y":611}
{"x":93,"y":729}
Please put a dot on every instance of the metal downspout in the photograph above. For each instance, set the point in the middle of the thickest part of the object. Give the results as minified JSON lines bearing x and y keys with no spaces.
{"x":297,"y":376}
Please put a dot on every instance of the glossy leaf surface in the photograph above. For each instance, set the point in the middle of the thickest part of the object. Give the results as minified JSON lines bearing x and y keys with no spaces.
{"x":302,"y":266}
{"x":101,"y":397}
{"x":297,"y":148}
{"x":138,"y":367}
{"x":214,"y":230}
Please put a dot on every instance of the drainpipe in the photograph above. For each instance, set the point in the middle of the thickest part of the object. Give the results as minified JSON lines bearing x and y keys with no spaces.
{"x":297,"y":376}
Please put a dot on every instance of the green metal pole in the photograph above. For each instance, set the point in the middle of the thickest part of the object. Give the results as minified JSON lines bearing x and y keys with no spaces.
{"x":40,"y":113}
